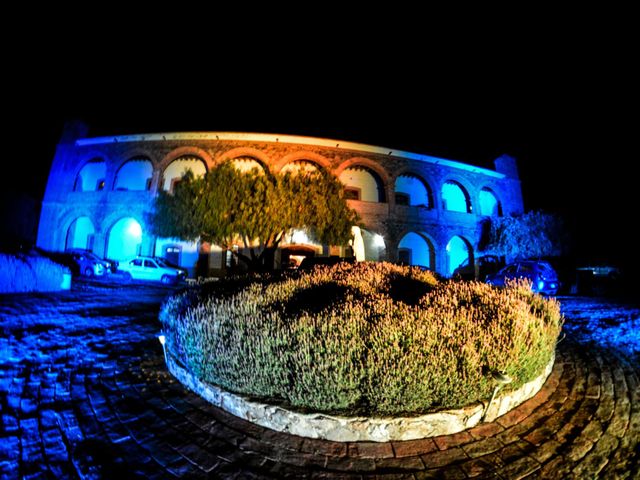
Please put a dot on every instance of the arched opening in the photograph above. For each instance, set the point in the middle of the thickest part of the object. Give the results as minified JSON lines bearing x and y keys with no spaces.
{"x":458,"y":251}
{"x":455,"y":198}
{"x":489,"y":203}
{"x":295,"y":247}
{"x":415,"y":249}
{"x":80,"y":234}
{"x":91,"y":177}
{"x":362,"y":183}
{"x":292,"y":256}
{"x":176,"y":169}
{"x":247,"y":164}
{"x":413,"y":191}
{"x":134,"y":174}
{"x":370,"y":246}
{"x":300,"y":166}
{"x":124,"y":239}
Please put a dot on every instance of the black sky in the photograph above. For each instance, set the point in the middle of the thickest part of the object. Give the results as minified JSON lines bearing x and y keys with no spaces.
{"x":564,"y":120}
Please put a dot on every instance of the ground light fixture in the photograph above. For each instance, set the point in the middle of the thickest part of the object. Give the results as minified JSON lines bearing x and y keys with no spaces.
{"x":501,"y":379}
{"x":162,"y":339}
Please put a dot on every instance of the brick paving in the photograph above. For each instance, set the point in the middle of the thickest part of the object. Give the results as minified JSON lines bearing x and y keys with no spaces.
{"x":84,"y":394}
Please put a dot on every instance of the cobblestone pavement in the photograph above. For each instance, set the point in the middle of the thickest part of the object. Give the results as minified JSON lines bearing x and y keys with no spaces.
{"x":84,"y":394}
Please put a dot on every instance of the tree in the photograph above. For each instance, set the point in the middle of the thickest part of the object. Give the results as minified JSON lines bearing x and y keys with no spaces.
{"x":530,"y":235}
{"x":254,"y":209}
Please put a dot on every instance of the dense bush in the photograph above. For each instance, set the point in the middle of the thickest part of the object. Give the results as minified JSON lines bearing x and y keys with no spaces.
{"x":28,"y":273}
{"x":370,"y":338}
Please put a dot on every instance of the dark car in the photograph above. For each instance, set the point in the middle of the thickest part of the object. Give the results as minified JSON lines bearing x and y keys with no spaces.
{"x":543,"y":277}
{"x":483,"y":266}
{"x":81,"y":262}
{"x":89,"y":259}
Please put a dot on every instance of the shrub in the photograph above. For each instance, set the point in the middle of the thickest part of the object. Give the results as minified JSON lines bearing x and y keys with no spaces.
{"x":28,"y":273}
{"x":369,"y":338}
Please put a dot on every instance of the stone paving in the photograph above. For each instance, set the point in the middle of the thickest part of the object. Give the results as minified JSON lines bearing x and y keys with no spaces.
{"x":84,"y":394}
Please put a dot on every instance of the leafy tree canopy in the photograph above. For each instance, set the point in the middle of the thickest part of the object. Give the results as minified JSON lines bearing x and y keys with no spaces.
{"x":254,"y":210}
{"x":530,"y":235}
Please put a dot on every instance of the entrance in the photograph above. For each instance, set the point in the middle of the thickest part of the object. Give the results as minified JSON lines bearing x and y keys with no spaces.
{"x":172,"y":254}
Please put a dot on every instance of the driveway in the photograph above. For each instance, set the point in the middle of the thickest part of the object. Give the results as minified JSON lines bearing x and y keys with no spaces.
{"x":84,"y":394}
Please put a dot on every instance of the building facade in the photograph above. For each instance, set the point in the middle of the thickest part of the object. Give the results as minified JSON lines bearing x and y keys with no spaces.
{"x":415,"y":208}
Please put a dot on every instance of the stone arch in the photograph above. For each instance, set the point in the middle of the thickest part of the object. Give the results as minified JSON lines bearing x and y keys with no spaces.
{"x":316,"y":158}
{"x":239,"y":152}
{"x":186,"y":152}
{"x":458,"y":250}
{"x":80,"y":233}
{"x":246,"y":164}
{"x":372,"y":187}
{"x":417,"y":248}
{"x":374,"y":245}
{"x":366,"y":162}
{"x":135,"y":174}
{"x":488,"y":202}
{"x":91,"y":176}
{"x":135,"y":152}
{"x":298,"y":166}
{"x":416,"y":191}
{"x":124,"y":238}
{"x":455,"y":197}
{"x":173,"y":172}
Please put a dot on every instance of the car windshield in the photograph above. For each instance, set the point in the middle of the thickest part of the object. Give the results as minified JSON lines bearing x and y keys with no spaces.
{"x":546,"y":270}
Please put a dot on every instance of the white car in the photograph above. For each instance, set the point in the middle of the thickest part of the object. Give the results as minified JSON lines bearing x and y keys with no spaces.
{"x":151,"y":268}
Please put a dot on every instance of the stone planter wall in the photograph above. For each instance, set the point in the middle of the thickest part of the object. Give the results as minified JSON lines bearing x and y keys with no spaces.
{"x":350,"y":429}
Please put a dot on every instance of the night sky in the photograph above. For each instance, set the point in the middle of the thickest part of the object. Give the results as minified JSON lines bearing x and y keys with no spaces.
{"x":567,"y":130}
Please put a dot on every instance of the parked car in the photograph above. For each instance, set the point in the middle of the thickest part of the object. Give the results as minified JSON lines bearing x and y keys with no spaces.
{"x":484,"y":265}
{"x":149,"y":268}
{"x":544,"y":278}
{"x":81,"y":262}
{"x":110,"y":266}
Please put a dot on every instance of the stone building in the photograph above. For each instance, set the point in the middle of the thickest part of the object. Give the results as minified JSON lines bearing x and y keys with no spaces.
{"x":415,"y":208}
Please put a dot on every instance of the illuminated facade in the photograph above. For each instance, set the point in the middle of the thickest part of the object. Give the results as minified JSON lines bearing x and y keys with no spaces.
{"x":415,"y":208}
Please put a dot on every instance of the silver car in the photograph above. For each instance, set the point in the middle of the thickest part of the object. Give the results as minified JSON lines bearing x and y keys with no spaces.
{"x":154,"y":269}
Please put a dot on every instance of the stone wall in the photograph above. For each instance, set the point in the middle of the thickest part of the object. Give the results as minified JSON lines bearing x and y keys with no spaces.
{"x":62,"y":205}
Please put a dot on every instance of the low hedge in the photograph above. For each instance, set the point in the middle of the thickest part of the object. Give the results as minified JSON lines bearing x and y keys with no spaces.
{"x":29,"y":273}
{"x":371,"y":338}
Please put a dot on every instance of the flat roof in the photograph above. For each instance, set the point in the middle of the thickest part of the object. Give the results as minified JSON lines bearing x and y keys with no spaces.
{"x":276,"y":138}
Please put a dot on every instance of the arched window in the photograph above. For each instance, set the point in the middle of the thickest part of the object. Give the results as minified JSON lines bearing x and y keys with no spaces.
{"x":80,"y":234}
{"x":455,"y":198}
{"x":176,"y":169}
{"x":458,"y":250}
{"x":415,"y":249}
{"x":362,"y":183}
{"x":300,"y":166}
{"x":411,"y":190}
{"x":124,"y":240}
{"x":91,"y":177}
{"x":247,"y":164}
{"x":489,"y":204}
{"x":134,"y":174}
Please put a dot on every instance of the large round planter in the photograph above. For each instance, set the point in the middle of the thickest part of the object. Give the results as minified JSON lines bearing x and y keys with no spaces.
{"x":350,"y":429}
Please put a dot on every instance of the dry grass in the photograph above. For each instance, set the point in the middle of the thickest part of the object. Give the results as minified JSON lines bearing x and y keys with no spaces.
{"x":370,"y":338}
